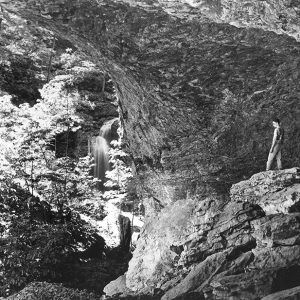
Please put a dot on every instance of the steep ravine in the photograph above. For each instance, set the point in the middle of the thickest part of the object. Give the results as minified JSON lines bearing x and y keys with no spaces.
{"x":197,"y":84}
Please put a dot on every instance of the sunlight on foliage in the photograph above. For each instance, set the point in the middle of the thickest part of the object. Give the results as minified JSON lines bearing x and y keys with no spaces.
{"x":37,"y":242}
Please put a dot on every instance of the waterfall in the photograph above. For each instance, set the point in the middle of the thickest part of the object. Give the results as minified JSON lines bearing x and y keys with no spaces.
{"x":101,"y":158}
{"x":101,"y":148}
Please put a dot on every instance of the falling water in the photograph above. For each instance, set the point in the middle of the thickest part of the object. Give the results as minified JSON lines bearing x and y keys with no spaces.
{"x":101,"y":158}
{"x":101,"y":148}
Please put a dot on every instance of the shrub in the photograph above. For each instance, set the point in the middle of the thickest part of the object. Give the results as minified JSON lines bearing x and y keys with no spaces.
{"x":48,"y":291}
{"x":34,"y":250}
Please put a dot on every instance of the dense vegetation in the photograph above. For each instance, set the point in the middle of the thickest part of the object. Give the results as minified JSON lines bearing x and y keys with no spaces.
{"x":43,"y":184}
{"x":39,"y":233}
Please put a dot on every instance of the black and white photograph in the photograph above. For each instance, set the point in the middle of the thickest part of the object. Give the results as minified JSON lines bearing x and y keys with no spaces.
{"x":150,"y":149}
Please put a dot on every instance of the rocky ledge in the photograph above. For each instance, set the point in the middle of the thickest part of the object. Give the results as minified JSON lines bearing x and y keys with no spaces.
{"x":246,"y":246}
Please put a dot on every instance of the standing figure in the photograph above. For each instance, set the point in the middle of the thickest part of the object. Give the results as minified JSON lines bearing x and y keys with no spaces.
{"x":275,"y":151}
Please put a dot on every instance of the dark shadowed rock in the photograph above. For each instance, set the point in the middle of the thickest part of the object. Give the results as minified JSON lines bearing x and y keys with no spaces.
{"x":250,"y":285}
{"x":125,"y":233}
{"x":275,"y":258}
{"x":291,"y":294}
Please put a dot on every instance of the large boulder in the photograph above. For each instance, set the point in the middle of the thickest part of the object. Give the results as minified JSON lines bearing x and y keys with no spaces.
{"x":185,"y":235}
{"x":221,"y":248}
{"x":273,"y":191}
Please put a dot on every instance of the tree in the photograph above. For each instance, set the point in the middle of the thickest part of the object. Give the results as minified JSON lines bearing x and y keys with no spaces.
{"x":36,"y":248}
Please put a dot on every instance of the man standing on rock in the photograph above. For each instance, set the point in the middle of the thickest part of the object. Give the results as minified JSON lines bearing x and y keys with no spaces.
{"x":275,"y":151}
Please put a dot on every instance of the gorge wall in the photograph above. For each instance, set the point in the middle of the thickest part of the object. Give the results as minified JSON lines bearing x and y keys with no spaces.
{"x":197,"y":82}
{"x":196,"y":94}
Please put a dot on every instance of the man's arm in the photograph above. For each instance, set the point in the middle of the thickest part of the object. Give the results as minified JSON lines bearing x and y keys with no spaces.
{"x":274,"y":142}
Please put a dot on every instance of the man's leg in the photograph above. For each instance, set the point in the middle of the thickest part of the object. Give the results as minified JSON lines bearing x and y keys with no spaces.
{"x":270,"y":160}
{"x":278,"y":157}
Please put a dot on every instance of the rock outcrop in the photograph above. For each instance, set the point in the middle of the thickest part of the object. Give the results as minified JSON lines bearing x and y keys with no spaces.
{"x":274,"y":192}
{"x":223,"y":248}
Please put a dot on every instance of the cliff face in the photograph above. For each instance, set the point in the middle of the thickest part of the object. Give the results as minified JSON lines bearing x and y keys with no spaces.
{"x":196,"y":94}
{"x":281,"y":17}
{"x":198,"y":83}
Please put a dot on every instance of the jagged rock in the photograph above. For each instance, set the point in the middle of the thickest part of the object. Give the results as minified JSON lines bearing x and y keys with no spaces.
{"x":197,"y":276}
{"x":250,"y":286}
{"x":275,"y":258}
{"x":186,"y":234}
{"x":273,"y":191}
{"x":215,"y":266}
{"x":291,"y":294}
{"x":276,"y":230}
{"x":220,"y":247}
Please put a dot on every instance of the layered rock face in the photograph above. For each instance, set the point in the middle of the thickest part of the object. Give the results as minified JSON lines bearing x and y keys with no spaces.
{"x":245,"y":247}
{"x":196,"y":94}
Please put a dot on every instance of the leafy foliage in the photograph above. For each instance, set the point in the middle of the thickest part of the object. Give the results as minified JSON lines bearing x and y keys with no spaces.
{"x":38,"y":241}
{"x":48,"y":291}
{"x":119,"y":175}
{"x":33,"y":249}
{"x":27,"y":134}
{"x":36,"y":251}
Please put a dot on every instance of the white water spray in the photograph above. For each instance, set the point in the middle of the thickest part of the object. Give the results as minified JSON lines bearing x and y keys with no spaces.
{"x":101,"y":158}
{"x":101,"y":148}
